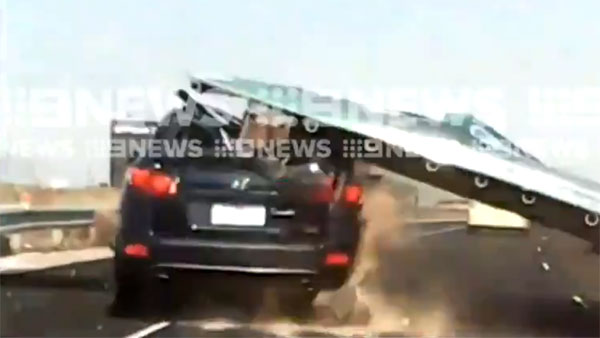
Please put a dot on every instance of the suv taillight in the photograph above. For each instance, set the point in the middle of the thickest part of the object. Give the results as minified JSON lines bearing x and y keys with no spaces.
{"x":337,"y":259}
{"x":353,"y":194}
{"x":137,"y":251}
{"x":152,"y":182}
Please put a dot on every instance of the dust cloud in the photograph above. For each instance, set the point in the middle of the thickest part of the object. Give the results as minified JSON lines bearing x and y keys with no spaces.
{"x":384,"y":211}
{"x":359,"y":307}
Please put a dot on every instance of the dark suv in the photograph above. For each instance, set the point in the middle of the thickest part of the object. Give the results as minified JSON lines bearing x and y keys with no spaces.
{"x":254,"y":215}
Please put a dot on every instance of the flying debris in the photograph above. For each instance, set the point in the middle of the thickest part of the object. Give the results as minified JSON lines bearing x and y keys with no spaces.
{"x":545,"y":266}
{"x":579,"y":301}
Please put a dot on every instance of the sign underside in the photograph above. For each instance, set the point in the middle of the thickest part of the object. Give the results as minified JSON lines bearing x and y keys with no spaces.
{"x":449,"y":155}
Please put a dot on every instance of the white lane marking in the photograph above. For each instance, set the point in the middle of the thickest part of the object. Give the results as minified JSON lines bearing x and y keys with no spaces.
{"x":149,"y":330}
{"x":439,"y":232}
{"x":286,"y":329}
{"x":218,"y":325}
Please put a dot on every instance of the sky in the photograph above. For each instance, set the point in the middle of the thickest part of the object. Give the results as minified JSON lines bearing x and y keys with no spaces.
{"x":350,"y":46}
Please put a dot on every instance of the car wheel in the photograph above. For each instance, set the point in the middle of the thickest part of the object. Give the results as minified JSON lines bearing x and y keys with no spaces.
{"x":129,"y":298}
{"x":137,"y":292}
{"x":299,"y":303}
{"x":148,"y":298}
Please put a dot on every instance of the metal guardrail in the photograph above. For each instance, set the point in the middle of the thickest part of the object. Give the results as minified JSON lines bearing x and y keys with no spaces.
{"x":16,"y":219}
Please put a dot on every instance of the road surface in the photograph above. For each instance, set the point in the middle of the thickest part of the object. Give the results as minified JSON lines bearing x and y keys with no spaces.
{"x":440,"y":278}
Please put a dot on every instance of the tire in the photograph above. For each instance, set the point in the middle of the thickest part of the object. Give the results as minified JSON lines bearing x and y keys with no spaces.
{"x":151,"y":298}
{"x":298,"y":303}
{"x":334,"y":279}
{"x":138,"y":293}
{"x":129,"y":299}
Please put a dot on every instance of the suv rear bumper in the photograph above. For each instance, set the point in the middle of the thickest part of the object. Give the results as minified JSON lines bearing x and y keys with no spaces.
{"x":231,"y":268}
{"x":236,"y":257}
{"x":171,"y":256}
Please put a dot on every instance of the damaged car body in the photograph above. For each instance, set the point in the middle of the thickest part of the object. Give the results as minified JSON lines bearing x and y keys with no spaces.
{"x":234,"y":202}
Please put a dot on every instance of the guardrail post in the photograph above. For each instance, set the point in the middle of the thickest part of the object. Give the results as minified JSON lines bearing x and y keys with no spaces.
{"x":15,"y":241}
{"x":5,"y":246}
{"x":58,"y":235}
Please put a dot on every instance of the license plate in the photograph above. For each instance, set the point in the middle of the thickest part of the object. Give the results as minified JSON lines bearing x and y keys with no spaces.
{"x":243,"y":215}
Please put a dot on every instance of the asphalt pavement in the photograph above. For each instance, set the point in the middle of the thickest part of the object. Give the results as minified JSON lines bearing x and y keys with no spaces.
{"x":442,"y":279}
